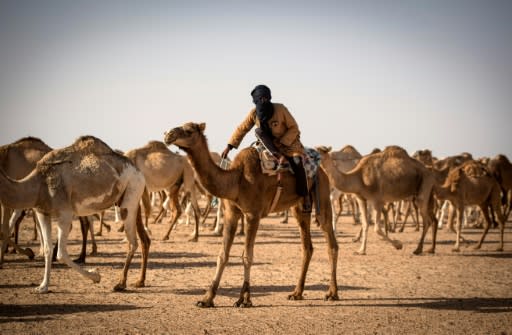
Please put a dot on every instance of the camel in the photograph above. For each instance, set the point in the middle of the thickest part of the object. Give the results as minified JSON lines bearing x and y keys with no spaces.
{"x":84,"y":178}
{"x":345,"y":159}
{"x":17,"y":160}
{"x":246,"y":191}
{"x":501,"y":168}
{"x":167,"y":171}
{"x":472,"y":184}
{"x":385,"y":177}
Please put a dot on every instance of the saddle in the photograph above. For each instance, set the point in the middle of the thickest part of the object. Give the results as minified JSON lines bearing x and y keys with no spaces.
{"x":270,"y":164}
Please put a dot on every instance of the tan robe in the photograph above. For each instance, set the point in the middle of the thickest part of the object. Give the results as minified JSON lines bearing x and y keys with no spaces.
{"x":284,"y":129}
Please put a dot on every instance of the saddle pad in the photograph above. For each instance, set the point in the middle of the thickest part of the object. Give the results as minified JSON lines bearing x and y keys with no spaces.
{"x":270,"y":165}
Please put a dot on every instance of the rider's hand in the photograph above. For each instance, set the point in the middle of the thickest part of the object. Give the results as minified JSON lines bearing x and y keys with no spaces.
{"x":226,"y":151}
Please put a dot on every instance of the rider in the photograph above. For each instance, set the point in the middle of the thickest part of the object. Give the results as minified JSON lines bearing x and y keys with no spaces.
{"x":279,"y":133}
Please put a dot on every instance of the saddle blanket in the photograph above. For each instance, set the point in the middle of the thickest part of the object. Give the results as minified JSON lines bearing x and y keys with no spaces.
{"x":270,"y":165}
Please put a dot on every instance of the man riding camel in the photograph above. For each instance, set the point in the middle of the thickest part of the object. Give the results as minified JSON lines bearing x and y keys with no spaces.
{"x":279,"y":133}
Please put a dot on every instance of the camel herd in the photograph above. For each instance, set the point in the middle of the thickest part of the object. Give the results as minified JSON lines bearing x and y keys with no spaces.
{"x":88,"y":178}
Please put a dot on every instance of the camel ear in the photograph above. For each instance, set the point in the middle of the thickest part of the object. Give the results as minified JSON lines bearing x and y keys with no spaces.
{"x":201,"y":126}
{"x":328,"y":149}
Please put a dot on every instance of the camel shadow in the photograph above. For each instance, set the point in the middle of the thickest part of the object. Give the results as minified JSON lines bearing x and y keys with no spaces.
{"x":480,"y":305}
{"x":262,"y":290}
{"x":39,"y":312}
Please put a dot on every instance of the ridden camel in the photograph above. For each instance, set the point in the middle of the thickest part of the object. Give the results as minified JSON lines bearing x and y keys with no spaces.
{"x":246,"y":191}
{"x":82,"y":179}
{"x":385,"y":177}
{"x":472,"y":184}
{"x":166,"y":171}
{"x":17,"y":160}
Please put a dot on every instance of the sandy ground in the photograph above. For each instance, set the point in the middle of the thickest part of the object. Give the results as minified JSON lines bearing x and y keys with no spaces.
{"x":387,"y":291}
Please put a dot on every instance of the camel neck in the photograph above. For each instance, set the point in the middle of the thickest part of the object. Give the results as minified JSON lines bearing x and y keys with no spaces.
{"x":19,"y":194}
{"x":342,"y":181}
{"x":219,"y":182}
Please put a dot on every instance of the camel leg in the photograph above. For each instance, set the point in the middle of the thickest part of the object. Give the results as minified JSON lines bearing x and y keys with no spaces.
{"x":173,"y":196}
{"x":130,"y":228}
{"x":146,"y":203}
{"x":10,"y":217}
{"x":145,"y":242}
{"x":397,"y":244}
{"x":241,"y":231}
{"x":304,"y":221}
{"x":218,"y":224}
{"x":231,"y":217}
{"x":197,"y":215}
{"x":324,"y":220}
{"x":64,"y":224}
{"x":363,"y":232}
{"x":84,"y":227}
{"x":94,"y":251}
{"x":45,"y":225}
{"x":460,"y":213}
{"x":251,"y":229}
{"x":487,"y":222}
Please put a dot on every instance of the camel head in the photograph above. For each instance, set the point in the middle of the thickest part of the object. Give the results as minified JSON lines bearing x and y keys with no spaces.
{"x":185,"y":136}
{"x":323,"y":150}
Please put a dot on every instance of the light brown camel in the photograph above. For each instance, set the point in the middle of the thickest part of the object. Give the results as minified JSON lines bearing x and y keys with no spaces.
{"x":82,"y":179}
{"x":345,"y":160}
{"x":17,"y":160}
{"x":246,"y":191}
{"x":385,"y":177}
{"x":472,"y":184}
{"x":166,"y":171}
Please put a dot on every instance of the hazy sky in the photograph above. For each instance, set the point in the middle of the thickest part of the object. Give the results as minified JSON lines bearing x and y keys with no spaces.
{"x":419,"y":74}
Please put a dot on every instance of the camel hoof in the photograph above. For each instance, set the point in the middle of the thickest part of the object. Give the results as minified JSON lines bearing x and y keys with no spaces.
{"x":455,"y":249}
{"x":30,"y":253}
{"x":166,"y":238}
{"x":295,"y":297}
{"x":205,"y":304}
{"x":98,"y":234}
{"x":331,"y":297}
{"x":95,"y":275}
{"x":356,"y":239}
{"x":193,"y":239}
{"x":119,"y":287}
{"x":500,"y":249}
{"x":431,"y":251}
{"x":79,"y":260}
{"x":417,"y":251}
{"x":41,"y":290}
{"x":477,"y":247}
{"x":242,"y":304}
{"x":359,"y":253}
{"x":140,"y":283}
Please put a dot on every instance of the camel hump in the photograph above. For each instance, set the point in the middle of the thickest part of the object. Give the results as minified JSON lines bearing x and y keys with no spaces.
{"x":502,"y":158}
{"x":84,"y":145}
{"x":156,"y":146}
{"x":90,"y":144}
{"x":348,"y":152}
{"x":394,"y":151}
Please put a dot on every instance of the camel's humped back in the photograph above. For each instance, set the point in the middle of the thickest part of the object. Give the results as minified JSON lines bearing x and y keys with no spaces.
{"x":470,"y":169}
{"x":85,"y":149}
{"x":348,"y":152}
